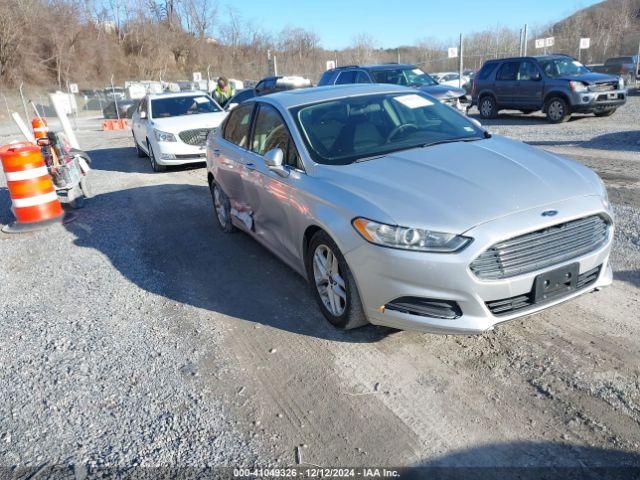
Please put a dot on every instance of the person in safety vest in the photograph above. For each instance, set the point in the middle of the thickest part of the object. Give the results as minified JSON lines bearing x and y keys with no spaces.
{"x":223,"y":92}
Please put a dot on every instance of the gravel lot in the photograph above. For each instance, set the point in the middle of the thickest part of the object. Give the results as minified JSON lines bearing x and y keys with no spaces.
{"x":138,"y":335}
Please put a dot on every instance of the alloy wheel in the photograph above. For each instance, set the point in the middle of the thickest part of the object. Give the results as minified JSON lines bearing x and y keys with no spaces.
{"x":556,"y":110}
{"x":486,"y":108}
{"x":329,"y":281}
{"x":219,"y":206}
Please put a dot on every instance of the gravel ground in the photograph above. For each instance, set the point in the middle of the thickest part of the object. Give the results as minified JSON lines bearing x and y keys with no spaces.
{"x":138,"y":335}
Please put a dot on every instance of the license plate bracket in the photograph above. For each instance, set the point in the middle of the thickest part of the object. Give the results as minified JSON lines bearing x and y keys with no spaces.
{"x":554,"y":283}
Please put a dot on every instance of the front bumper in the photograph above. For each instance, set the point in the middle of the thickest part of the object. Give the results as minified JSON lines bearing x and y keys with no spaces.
{"x":384,"y":274}
{"x":591,"y":101}
{"x":179,"y":153}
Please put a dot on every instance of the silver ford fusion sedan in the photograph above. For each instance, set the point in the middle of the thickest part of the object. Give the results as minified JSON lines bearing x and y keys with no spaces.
{"x":401,"y":212}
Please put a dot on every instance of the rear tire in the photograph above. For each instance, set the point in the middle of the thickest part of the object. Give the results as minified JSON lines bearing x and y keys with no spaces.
{"x":605,"y":113}
{"x":221,"y":208}
{"x":332,"y":284}
{"x":557,"y":110}
{"x":488,"y":107}
{"x":152,"y":158}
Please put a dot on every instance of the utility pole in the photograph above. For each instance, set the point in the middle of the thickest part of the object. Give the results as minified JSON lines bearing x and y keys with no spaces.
{"x":460,"y":63}
{"x":524,"y":40}
{"x":520,"y":50}
{"x":398,"y":55}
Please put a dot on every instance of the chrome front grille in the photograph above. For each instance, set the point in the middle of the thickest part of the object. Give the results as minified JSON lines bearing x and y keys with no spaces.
{"x":542,"y":248}
{"x":196,"y":137}
{"x":604,"y":87}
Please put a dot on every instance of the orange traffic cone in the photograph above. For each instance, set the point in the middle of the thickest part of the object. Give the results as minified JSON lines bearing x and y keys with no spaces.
{"x":35,"y":202}
{"x":40,"y":128}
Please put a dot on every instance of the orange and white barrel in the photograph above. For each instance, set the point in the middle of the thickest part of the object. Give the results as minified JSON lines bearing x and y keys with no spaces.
{"x":40,"y":128}
{"x":34,"y":199}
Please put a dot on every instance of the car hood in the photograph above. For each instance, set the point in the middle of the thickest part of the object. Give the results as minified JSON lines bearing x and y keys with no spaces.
{"x":443,"y":91}
{"x":454,"y":187}
{"x":188,"y":122}
{"x":591,"y":78}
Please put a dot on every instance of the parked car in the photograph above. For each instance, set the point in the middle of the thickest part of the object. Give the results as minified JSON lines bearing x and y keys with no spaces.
{"x":396,"y":74}
{"x":451,"y":79}
{"x":556,"y":84}
{"x":172,"y":128}
{"x":278,"y":84}
{"x":626,"y":67}
{"x":401,"y":212}
{"x":124,"y":105}
{"x":239,"y":97}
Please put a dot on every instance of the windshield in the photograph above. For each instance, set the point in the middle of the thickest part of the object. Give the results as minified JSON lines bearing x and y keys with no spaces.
{"x":343,"y":131}
{"x":178,"y":106}
{"x":411,"y":77}
{"x":565,"y":67}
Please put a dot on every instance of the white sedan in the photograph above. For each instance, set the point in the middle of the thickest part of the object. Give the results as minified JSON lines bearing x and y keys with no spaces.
{"x":172,"y":128}
{"x":451,"y":79}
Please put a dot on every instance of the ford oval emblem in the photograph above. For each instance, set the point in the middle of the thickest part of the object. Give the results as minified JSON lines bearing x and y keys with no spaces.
{"x":549,"y":213}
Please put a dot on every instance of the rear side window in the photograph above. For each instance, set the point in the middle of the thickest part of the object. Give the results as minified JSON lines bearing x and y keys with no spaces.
{"x":346,"y":77}
{"x":236,"y":129}
{"x":487,"y":69}
{"x":325,"y":79}
{"x":508,"y":71}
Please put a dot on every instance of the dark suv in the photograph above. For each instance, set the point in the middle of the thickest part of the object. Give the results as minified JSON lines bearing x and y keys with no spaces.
{"x":556,"y":84}
{"x":396,"y":74}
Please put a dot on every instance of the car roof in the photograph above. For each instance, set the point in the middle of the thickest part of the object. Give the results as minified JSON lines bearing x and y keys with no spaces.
{"x":155,"y":96}
{"x":377,"y":66}
{"x":535,"y":57}
{"x":303,"y":96}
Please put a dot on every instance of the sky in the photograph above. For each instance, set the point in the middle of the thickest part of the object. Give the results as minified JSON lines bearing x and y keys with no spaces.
{"x":401,"y":22}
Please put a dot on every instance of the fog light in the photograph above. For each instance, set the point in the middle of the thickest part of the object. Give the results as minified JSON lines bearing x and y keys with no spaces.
{"x":167,"y":156}
{"x":426,"y":307}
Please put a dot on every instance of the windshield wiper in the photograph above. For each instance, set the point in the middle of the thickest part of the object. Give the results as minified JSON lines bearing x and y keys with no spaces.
{"x":457,"y":139}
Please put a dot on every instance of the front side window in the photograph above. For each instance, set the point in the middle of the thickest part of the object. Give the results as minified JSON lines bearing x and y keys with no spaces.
{"x":179,"y":106}
{"x":236,"y":129}
{"x":343,"y":131}
{"x":271,"y":132}
{"x":412,"y":77}
{"x":508,"y":71}
{"x":563,"y":67}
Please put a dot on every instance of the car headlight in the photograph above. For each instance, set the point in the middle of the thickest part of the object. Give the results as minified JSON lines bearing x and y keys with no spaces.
{"x":577,"y":86}
{"x":409,"y":238}
{"x":164,"y":136}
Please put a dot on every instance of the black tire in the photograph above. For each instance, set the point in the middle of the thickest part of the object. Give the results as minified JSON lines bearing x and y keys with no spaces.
{"x":221,"y":208}
{"x":605,"y":113}
{"x":352,"y":313}
{"x":487,"y":107}
{"x":139,"y":151}
{"x":152,"y":158}
{"x":557,"y":110}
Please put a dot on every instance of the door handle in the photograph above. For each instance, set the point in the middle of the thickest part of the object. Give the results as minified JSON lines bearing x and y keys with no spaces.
{"x":216,"y":152}
{"x":250,"y":166}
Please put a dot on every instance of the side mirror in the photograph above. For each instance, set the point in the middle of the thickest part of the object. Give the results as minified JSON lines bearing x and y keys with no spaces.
{"x":143,"y":115}
{"x":274,"y":159}
{"x":475,"y":122}
{"x":231,"y":106}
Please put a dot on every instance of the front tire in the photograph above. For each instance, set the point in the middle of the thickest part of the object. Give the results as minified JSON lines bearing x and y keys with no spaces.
{"x":152,"y":158}
{"x":557,"y":110}
{"x":488,"y":107}
{"x":332,"y":284}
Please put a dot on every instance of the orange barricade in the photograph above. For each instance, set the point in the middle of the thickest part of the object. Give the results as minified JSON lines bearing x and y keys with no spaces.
{"x":35,"y":202}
